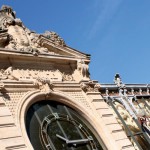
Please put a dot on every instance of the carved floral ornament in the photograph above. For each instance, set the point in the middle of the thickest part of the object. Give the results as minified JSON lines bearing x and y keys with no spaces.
{"x":90,"y":86}
{"x":14,"y":35}
{"x":45,"y":85}
{"x":12,"y":73}
{"x":67,"y":77}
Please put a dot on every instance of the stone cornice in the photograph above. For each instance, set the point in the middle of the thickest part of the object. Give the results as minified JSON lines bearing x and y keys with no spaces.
{"x":12,"y":86}
{"x":26,"y":55}
{"x":129,"y":89}
{"x":64,"y":49}
{"x":127,"y":86}
{"x":67,"y":86}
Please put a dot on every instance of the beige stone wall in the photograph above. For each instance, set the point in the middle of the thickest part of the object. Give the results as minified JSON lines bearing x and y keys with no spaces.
{"x":35,"y":67}
{"x":90,"y":105}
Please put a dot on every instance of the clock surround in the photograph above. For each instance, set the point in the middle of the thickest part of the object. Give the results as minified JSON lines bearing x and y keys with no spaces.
{"x":57,"y":126}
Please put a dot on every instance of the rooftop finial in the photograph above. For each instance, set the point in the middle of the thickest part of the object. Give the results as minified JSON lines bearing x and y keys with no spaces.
{"x":117,"y":80}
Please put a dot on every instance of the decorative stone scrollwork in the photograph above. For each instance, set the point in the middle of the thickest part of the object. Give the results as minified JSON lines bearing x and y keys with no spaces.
{"x":30,"y":74}
{"x":44,"y":85}
{"x":43,"y":80}
{"x":97,"y":87}
{"x":125,"y":115}
{"x":90,"y":86}
{"x":55,"y":38}
{"x":7,"y":74}
{"x":67,"y":77}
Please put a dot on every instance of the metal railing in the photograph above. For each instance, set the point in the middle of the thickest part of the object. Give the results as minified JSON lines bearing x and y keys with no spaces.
{"x":143,"y":132}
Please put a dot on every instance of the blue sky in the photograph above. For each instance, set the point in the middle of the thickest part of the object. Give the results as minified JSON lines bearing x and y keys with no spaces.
{"x":115,"y":32}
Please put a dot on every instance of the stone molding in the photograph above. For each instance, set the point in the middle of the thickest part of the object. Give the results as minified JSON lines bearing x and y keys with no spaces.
{"x":32,"y":97}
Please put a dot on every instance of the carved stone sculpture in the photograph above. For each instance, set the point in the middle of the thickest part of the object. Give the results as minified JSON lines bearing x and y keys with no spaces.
{"x":117,"y":80}
{"x":90,"y":86}
{"x":55,"y":38}
{"x":97,"y":87}
{"x":14,"y":27}
{"x":67,"y":77}
{"x":15,"y":36}
{"x":7,"y":74}
{"x":44,"y":85}
{"x":83,"y":69}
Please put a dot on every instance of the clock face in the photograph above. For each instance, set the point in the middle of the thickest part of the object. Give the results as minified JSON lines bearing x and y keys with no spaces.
{"x":54,"y":126}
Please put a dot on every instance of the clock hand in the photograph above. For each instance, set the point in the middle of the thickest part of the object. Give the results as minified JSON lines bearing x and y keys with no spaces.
{"x":74,"y":142}
{"x":80,"y":141}
{"x":62,"y":138}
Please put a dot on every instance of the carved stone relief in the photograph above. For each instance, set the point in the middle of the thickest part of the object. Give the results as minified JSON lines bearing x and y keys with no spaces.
{"x":7,"y":74}
{"x":90,"y":86}
{"x":130,"y":123}
{"x":67,"y":77}
{"x":14,"y":35}
{"x":55,"y":38}
{"x":12,"y":73}
{"x":143,"y":111}
{"x":83,"y":68}
{"x":29,"y":74}
{"x":126,"y":116}
{"x":44,"y":84}
{"x":82,"y":71}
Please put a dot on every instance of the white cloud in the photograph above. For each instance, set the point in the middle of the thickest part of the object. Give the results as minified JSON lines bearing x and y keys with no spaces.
{"x":106,"y":9}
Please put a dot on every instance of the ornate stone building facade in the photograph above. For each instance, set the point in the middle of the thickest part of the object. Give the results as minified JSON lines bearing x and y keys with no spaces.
{"x":48,"y":101}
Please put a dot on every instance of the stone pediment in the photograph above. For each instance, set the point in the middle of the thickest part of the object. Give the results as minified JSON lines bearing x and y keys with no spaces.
{"x":15,"y":36}
{"x":18,"y":45}
{"x":59,"y":48}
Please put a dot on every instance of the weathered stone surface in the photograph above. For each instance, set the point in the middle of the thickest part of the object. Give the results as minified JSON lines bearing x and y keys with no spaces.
{"x":35,"y":67}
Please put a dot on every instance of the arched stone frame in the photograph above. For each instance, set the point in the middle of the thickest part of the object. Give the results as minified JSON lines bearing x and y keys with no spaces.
{"x":35,"y":96}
